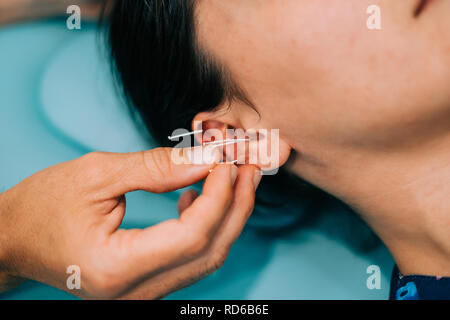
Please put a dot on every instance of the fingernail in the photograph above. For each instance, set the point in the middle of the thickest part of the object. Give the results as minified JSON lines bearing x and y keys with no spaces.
{"x":234,"y":174}
{"x":257,"y":176}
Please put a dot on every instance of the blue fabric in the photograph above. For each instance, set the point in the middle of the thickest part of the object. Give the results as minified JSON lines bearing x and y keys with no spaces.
{"x":418,"y":287}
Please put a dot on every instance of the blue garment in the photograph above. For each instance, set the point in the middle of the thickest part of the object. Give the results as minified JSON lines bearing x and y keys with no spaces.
{"x":417,"y":287}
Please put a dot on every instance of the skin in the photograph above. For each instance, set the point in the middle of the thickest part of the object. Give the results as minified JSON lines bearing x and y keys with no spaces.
{"x":22,"y":10}
{"x":366,"y":113}
{"x":70,"y":214}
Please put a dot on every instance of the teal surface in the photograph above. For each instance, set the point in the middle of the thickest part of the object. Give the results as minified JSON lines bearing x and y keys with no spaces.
{"x":57,"y":102}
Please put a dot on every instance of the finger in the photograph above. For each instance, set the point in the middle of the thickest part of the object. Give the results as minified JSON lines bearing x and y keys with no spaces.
{"x":174,"y":242}
{"x":159,"y":170}
{"x":186,"y":200}
{"x":166,"y":283}
{"x":207,"y":212}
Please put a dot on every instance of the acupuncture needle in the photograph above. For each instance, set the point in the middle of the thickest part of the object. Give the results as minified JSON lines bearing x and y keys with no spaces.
{"x":184,"y":134}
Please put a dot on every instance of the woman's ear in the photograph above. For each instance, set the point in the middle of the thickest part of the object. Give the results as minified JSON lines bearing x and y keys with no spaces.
{"x":259,"y":146}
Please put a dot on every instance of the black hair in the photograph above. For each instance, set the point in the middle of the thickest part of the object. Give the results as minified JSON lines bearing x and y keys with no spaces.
{"x":168,"y":78}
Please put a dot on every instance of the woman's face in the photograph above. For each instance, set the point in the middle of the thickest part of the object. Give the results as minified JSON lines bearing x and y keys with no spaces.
{"x":314,"y":70}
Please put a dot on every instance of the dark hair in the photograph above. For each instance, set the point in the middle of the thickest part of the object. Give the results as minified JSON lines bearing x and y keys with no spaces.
{"x":168,"y":78}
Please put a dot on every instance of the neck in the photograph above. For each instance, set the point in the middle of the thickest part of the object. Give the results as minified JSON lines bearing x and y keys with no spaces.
{"x":402,"y":193}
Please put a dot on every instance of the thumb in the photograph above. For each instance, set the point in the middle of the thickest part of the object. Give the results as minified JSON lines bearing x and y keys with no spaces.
{"x":158,"y":170}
